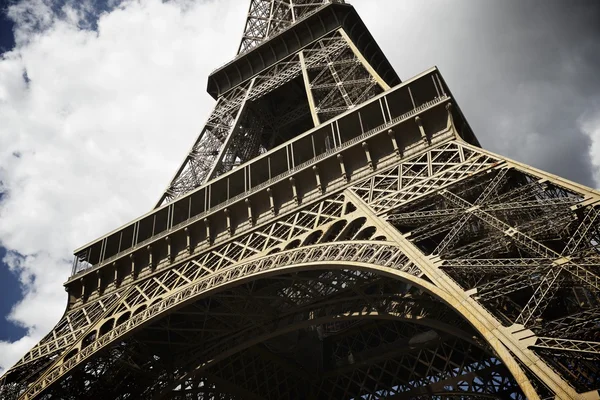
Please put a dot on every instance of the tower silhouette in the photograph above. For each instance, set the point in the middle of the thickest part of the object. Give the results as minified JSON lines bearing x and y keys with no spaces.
{"x":333,"y":233}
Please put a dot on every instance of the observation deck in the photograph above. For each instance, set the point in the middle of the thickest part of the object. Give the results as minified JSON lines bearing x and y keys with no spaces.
{"x":329,"y":18}
{"x":398,"y":123}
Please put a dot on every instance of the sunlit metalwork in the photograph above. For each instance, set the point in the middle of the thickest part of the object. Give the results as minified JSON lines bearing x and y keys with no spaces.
{"x":333,"y":234}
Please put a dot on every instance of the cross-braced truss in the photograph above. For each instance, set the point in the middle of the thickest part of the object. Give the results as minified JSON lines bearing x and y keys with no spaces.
{"x":321,"y":81}
{"x":338,"y":80}
{"x":384,"y":258}
{"x":477,"y":219}
{"x":266,"y":18}
{"x":521,"y":244}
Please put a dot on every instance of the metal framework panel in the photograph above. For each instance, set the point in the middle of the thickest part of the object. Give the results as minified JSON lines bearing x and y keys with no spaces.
{"x":401,"y":260}
{"x":268,"y":17}
{"x":320,"y":82}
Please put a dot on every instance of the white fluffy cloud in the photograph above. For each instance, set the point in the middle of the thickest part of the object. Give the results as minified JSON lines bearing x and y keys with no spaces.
{"x":590,"y":125}
{"x":97,"y":112}
{"x":94,"y":122}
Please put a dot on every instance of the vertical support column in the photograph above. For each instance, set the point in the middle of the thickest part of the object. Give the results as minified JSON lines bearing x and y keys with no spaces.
{"x":387,"y":108}
{"x":228,"y":219}
{"x":343,"y":167}
{"x":116,"y":274}
{"x":424,"y":137}
{"x":82,"y":289}
{"x":248,"y":182}
{"x":132,"y":259}
{"x":271,"y":201}
{"x":136,"y":231}
{"x":412,"y":99}
{"x":150,"y":261}
{"x":207,"y":224}
{"x":188,"y":239}
{"x":102,"y":250}
{"x":392,"y":136}
{"x":307,"y":87}
{"x":386,"y":117}
{"x":294,"y":189}
{"x":365,"y":146}
{"x":288,"y":158}
{"x":318,"y":178}
{"x":169,"y":254}
{"x":99,"y":281}
{"x":250,"y":218}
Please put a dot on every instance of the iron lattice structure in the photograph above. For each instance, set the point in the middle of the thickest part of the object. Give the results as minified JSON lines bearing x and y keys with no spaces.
{"x":334,"y":233}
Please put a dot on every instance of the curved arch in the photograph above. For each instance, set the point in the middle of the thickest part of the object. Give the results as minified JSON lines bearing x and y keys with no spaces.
{"x":292,"y":245}
{"x":123,"y":318}
{"x":333,"y":231}
{"x":226,"y":351}
{"x":366,"y":256}
{"x":312,"y":238}
{"x":428,"y":287}
{"x":378,"y":306}
{"x":354,"y":316}
{"x":71,"y":353}
{"x":274,"y":251}
{"x":141,"y":308}
{"x":366,"y":233}
{"x":88,"y":339}
{"x":156,"y":301}
{"x":106,"y":327}
{"x":352,"y":228}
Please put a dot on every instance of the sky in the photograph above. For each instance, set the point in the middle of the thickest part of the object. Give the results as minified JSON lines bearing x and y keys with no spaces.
{"x":100,"y":101}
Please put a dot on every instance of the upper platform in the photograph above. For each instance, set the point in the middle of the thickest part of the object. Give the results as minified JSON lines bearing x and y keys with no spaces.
{"x":250,"y":194}
{"x":330,"y":17}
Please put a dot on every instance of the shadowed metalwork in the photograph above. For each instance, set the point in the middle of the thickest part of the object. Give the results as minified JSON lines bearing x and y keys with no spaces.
{"x":333,"y":233}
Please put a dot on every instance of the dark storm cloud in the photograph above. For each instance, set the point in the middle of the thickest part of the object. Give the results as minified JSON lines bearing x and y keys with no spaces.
{"x":525,"y":73}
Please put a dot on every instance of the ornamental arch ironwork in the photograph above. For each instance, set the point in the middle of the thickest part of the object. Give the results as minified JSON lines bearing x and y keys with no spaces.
{"x":383,"y":259}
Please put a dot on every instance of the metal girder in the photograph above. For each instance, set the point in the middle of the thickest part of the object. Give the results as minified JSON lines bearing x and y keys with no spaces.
{"x":526,"y":221}
{"x":141,"y":296}
{"x":339,"y":352}
{"x":232,"y":136}
{"x":268,"y":17}
{"x":433,"y":269}
{"x":409,"y":307}
{"x":581,"y":234}
{"x":541,"y":297}
{"x":569,"y":345}
{"x":225,"y":264}
{"x":574,"y":324}
{"x":344,"y":81}
{"x":72,"y":325}
{"x":261,"y":367}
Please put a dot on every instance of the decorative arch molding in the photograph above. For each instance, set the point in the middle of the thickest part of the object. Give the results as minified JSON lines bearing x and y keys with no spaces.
{"x":383,"y":258}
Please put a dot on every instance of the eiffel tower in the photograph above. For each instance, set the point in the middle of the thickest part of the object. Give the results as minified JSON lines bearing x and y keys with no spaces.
{"x":333,"y":233}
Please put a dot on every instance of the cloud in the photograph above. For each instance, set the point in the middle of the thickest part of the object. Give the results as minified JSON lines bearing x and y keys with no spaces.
{"x":99,"y":103}
{"x":590,"y":125}
{"x":94,"y":124}
{"x":523,"y":73}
